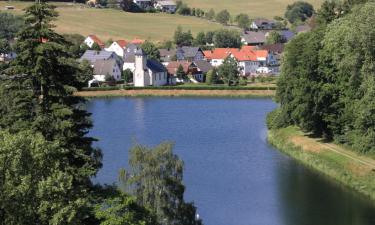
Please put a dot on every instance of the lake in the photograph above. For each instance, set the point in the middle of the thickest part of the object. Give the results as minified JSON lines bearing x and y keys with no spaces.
{"x":231,"y":173}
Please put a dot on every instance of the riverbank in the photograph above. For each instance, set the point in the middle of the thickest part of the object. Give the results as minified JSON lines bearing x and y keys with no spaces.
{"x":177,"y":93}
{"x":347,"y":167}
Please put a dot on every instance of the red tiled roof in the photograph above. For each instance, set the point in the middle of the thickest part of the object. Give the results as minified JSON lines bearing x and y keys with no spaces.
{"x":96,"y":40}
{"x":173,"y":66}
{"x":222,"y":53}
{"x":246,"y":53}
{"x":122,"y":43}
{"x":207,"y":54}
{"x":137,"y":41}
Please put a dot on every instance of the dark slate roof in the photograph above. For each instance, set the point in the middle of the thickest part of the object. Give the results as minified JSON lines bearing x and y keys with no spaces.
{"x":288,"y":35}
{"x":129,"y":58}
{"x":155,"y":66}
{"x":261,"y":21}
{"x":274,"y":48}
{"x":140,"y":52}
{"x":93,"y":55}
{"x":190,"y":52}
{"x":302,"y":28}
{"x":104,"y":67}
{"x":167,"y":54}
{"x":252,"y":37}
{"x":203,"y":66}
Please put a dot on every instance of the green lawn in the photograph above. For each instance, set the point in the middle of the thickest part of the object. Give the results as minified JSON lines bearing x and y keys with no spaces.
{"x":254,"y":8}
{"x":116,"y":24}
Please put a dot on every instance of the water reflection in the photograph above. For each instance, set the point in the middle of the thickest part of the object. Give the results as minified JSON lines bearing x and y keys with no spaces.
{"x":305,"y":200}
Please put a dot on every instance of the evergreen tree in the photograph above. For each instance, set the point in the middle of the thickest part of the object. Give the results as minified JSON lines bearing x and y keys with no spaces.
{"x":10,"y":25}
{"x":180,"y":73}
{"x":211,"y":76}
{"x":200,"y":40}
{"x":38,"y":95}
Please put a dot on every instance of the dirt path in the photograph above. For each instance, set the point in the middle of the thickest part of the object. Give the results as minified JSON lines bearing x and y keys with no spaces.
{"x":351,"y":155}
{"x":315,"y":145}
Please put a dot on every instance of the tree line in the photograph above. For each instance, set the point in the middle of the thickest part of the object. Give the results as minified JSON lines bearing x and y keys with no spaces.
{"x":327,"y":84}
{"x":47,"y":158}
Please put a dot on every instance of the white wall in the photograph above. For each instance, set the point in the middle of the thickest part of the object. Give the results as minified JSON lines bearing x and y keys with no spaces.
{"x":89,"y":42}
{"x":130,"y":66}
{"x":116,"y":48}
{"x":159,"y":79}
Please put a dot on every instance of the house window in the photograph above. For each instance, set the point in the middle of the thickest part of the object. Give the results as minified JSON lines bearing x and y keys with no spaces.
{"x":159,"y":76}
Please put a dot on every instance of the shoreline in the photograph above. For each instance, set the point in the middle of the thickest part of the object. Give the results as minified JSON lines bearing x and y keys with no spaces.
{"x":344,"y":166}
{"x":177,"y":93}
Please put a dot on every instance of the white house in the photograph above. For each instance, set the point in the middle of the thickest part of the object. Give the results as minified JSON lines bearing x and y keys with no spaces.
{"x":7,"y":56}
{"x":103,"y":68}
{"x":261,"y":23}
{"x":91,"y":39}
{"x":118,"y":47}
{"x":143,"y":3}
{"x":148,"y":72}
{"x":166,"y":6}
{"x":129,"y":63}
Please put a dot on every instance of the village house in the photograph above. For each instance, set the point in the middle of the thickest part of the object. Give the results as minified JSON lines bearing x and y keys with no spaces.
{"x":148,"y":72}
{"x":190,"y":54}
{"x":262,"y":24}
{"x":249,"y":58}
{"x":91,"y":39}
{"x":287,"y":34}
{"x":105,"y":68}
{"x":203,"y":66}
{"x":143,"y":4}
{"x":253,"y":38}
{"x":7,"y":57}
{"x":118,"y":47}
{"x":92,"y":56}
{"x":166,"y":6}
{"x":167,"y":55}
{"x":190,"y":69}
{"x":121,"y":47}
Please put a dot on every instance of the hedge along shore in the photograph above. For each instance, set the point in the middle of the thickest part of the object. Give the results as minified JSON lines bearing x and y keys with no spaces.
{"x":346,"y":167}
{"x":177,"y":93}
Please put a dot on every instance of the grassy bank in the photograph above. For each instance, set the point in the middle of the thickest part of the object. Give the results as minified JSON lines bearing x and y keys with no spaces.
{"x":347,"y":167}
{"x":177,"y":93}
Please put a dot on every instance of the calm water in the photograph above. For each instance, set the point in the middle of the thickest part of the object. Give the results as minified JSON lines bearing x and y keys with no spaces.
{"x":231,"y":173}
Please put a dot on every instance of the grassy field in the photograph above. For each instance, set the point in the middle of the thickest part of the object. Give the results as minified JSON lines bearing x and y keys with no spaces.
{"x":116,"y":24}
{"x":353,"y":170}
{"x":254,"y":8}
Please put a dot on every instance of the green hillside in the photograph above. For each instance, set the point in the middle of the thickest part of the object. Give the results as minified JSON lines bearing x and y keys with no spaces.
{"x":116,"y":24}
{"x":254,"y":8}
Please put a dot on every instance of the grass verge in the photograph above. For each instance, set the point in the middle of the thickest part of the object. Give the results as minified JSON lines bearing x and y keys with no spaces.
{"x":350,"y":169}
{"x":177,"y":93}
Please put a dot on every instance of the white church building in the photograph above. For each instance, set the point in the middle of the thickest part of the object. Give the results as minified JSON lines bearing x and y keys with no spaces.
{"x":148,"y":72}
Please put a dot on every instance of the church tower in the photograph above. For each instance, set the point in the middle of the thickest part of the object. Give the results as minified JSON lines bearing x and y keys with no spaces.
{"x":141,"y":78}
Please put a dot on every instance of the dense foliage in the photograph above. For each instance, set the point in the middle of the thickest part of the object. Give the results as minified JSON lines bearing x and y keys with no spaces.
{"x":327,"y":83}
{"x":155,"y":178}
{"x":52,"y":166}
{"x":299,"y":12}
